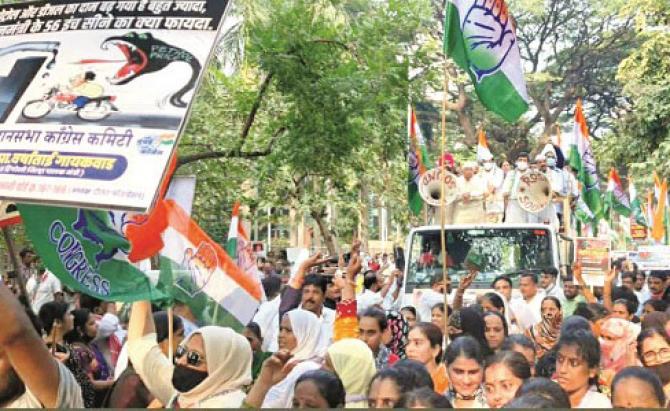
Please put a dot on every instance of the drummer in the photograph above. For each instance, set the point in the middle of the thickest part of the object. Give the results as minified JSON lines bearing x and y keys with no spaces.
{"x":469,"y":206}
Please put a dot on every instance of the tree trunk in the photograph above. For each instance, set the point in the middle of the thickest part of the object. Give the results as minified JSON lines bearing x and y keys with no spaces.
{"x":328,"y":238}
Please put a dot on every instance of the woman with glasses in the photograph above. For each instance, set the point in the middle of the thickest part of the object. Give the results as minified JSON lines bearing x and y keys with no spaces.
{"x":653,"y":347}
{"x":211,"y":366}
{"x":577,"y":363}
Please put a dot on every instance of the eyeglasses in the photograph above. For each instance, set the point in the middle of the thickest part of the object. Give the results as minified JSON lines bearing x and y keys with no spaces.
{"x":662,"y":355}
{"x":193,"y":358}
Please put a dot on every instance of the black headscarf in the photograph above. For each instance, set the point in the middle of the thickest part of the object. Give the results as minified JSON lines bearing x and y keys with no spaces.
{"x":469,"y":320}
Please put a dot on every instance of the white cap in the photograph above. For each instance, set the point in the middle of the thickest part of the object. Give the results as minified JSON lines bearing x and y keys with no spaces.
{"x":470,"y":164}
{"x":540,"y":157}
{"x":548,"y":149}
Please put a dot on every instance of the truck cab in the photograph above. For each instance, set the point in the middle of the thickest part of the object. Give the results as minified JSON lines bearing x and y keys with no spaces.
{"x":506,"y":249}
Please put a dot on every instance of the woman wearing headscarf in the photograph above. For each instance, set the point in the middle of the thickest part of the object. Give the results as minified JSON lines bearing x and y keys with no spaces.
{"x":469,"y":321}
{"x":299,"y":334}
{"x":618,"y":347}
{"x":399,"y":329}
{"x":545,"y":333}
{"x":352,"y":361}
{"x":212,"y":365}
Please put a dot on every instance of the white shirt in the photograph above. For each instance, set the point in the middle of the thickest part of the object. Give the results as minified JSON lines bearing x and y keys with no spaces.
{"x":69,"y":393}
{"x":327,"y":321}
{"x":267,"y":318}
{"x":41,"y":289}
{"x":528,"y":313}
{"x":429,"y":298}
{"x":594,"y":399}
{"x":367,"y":299}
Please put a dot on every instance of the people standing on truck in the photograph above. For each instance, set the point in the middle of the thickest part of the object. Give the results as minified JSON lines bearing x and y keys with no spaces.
{"x":510,"y":190}
{"x":469,"y":205}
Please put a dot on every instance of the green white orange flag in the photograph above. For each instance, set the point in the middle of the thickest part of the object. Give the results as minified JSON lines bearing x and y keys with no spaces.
{"x":197,"y":271}
{"x":583,"y":163}
{"x":417,"y":159}
{"x":231,"y":244}
{"x":483,"y":152}
{"x":635,"y":204}
{"x":658,"y":227}
{"x":89,"y":251}
{"x":615,"y":197}
{"x":480,"y":37}
{"x":239,"y":247}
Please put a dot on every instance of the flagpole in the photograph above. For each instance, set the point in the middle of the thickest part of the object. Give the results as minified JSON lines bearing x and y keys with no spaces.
{"x":443,"y":212}
{"x":170,"y":331}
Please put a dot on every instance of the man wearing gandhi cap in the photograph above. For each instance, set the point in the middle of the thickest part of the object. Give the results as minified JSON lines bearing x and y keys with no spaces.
{"x":493,"y":177}
{"x":469,"y":206}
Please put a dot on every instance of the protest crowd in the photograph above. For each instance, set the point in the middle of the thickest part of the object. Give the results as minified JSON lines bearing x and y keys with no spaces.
{"x":207,"y":325}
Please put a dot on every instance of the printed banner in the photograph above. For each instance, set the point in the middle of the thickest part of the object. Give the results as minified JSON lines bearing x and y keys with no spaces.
{"x":594,"y":256}
{"x":94,"y":96}
{"x":638,"y":232}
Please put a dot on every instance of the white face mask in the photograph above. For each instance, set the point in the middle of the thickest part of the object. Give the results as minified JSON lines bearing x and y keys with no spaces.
{"x":551,"y":162}
{"x":488,"y":166}
{"x":522,"y":165}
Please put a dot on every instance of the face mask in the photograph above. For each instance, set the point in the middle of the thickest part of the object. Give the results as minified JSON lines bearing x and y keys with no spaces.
{"x":185,"y":379}
{"x":663,"y":372}
{"x":551,"y":162}
{"x":488,"y":166}
{"x":522,"y":165}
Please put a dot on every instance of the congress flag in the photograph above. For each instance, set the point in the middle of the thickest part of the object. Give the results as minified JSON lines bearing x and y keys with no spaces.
{"x":480,"y":37}
{"x":483,"y":152}
{"x":417,"y":158}
{"x":583,"y":163}
{"x":197,"y":271}
{"x":615,"y":198}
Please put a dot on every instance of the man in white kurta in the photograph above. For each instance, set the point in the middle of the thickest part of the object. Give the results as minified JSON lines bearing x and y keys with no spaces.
{"x":469,"y":206}
{"x":561,"y":181}
{"x":494,"y":177}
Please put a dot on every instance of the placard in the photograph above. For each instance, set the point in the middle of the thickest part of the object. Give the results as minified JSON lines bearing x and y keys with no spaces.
{"x":94,"y":96}
{"x":594,"y":256}
{"x":638,"y":232}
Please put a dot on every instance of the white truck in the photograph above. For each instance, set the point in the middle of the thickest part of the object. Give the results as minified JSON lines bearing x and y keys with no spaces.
{"x":506,"y":249}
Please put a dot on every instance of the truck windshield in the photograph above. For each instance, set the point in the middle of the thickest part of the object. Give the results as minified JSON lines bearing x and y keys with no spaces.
{"x":503,"y":251}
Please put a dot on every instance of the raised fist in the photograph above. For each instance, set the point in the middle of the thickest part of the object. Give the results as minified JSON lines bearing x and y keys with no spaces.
{"x":488,"y":35}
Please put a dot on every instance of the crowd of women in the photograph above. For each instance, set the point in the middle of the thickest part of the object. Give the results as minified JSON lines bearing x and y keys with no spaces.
{"x":473,"y":356}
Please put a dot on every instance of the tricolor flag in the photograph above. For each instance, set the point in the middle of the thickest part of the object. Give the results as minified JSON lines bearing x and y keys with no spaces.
{"x":584,"y":163}
{"x":417,"y":159}
{"x":480,"y":37}
{"x":89,"y":252}
{"x":615,"y":197}
{"x":197,"y":271}
{"x":658,"y":228}
{"x":483,"y":152}
{"x":239,"y":247}
{"x":635,"y":204}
